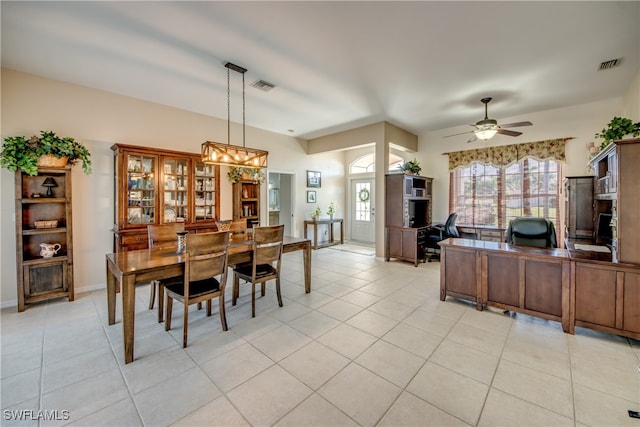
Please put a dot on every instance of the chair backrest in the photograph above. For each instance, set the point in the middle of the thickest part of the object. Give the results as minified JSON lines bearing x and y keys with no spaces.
{"x":238,"y":226}
{"x":532,"y":231}
{"x":164,"y":235}
{"x":450,"y":229}
{"x":267,"y":244}
{"x":206,"y":256}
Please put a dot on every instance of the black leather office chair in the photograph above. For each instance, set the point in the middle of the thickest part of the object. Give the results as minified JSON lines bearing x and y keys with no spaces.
{"x":532,"y":231}
{"x":437,"y":233}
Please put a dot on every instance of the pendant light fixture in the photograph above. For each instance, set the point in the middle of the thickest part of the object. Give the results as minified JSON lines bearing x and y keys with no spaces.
{"x":233,"y":155}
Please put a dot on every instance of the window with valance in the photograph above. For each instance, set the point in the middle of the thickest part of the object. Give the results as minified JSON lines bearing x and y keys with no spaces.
{"x":490,"y":186}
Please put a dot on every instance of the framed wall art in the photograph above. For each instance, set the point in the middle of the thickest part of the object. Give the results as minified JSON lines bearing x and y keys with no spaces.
{"x":311,"y":196}
{"x":313,"y":179}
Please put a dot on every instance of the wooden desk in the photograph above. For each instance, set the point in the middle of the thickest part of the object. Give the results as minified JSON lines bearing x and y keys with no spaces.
{"x":314,"y":223}
{"x":574,"y":287}
{"x":127,"y":269}
{"x":530,"y":280}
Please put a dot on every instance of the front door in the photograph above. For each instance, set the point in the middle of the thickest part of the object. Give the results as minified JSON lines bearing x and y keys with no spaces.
{"x":362,"y":210}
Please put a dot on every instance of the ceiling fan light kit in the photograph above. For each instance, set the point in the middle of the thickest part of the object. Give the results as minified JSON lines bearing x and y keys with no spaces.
{"x":487,"y":128}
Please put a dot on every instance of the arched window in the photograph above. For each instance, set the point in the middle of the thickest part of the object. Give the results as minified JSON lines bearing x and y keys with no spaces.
{"x":367,"y":163}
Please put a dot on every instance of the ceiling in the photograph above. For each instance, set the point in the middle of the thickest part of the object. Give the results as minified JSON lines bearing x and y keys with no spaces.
{"x":422,"y":66}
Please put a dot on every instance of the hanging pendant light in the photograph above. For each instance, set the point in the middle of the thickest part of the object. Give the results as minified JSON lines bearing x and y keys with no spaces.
{"x":233,"y":155}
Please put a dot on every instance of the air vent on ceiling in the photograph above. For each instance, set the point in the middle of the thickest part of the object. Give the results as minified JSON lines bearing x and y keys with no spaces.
{"x":607,"y":65}
{"x":263,"y":85}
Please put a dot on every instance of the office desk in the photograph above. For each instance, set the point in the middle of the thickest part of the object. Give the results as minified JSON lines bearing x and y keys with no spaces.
{"x":314,"y":223}
{"x":127,"y":269}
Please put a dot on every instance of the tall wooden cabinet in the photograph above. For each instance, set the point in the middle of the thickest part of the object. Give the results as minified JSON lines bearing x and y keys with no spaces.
{"x":44,"y":222}
{"x":246,"y":201}
{"x":617,"y":192}
{"x":407,"y":216}
{"x":578,"y":197}
{"x":155,"y":186}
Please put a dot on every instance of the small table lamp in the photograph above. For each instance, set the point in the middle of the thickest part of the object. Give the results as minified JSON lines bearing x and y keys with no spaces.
{"x":49,"y":183}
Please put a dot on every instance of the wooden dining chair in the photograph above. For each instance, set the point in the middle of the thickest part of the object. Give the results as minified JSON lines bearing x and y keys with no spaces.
{"x":238,"y":226}
{"x":264,"y":266}
{"x":205,"y":277}
{"x":162,"y":236}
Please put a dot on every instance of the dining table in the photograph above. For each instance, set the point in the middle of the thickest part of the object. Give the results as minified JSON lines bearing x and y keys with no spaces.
{"x":127,"y":269}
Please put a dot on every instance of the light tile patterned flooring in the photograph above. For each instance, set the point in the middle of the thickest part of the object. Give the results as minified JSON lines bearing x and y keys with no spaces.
{"x":372,"y":344}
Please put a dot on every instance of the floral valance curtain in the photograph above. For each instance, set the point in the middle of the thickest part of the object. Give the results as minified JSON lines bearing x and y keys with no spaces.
{"x":504,"y":155}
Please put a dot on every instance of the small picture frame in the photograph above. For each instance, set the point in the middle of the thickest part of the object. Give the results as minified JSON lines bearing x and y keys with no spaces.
{"x":313,"y":179}
{"x":311,"y":196}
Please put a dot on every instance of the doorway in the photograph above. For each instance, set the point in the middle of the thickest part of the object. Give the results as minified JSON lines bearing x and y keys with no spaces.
{"x":363,"y":210}
{"x":280,"y":200}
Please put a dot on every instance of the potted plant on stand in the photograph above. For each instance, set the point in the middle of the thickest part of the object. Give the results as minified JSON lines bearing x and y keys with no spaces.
{"x":412,"y":167}
{"x":331,"y":211}
{"x":618,"y":128}
{"x":46,"y":150}
{"x":316,"y":213}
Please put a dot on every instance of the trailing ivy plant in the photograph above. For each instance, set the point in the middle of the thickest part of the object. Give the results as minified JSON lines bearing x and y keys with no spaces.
{"x":618,"y":128}
{"x":235,"y":174}
{"x":21,"y":153}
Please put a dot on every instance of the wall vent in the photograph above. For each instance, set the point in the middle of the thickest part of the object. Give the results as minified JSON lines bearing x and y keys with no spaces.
{"x":263,"y":85}
{"x":607,"y":65}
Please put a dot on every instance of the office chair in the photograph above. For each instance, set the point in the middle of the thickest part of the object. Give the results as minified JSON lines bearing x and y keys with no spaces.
{"x":439,"y":232}
{"x":532,"y":231}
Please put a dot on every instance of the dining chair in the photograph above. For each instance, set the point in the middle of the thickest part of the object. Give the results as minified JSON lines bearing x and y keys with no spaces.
{"x":162,"y":236}
{"x":267,"y":251}
{"x":238,"y":226}
{"x":205,"y":277}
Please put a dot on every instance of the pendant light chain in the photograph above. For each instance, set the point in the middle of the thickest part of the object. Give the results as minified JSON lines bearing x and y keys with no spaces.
{"x":243,"y":111}
{"x":228,"y":110}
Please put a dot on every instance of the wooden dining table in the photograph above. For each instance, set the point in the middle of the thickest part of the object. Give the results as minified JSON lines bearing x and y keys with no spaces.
{"x":125,"y":270}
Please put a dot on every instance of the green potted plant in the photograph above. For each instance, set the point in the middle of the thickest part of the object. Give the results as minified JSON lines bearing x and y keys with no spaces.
{"x":27,"y":155}
{"x":331,"y":211}
{"x":236,"y":173}
{"x":618,"y":128}
{"x":412,"y":166}
{"x":317,"y":212}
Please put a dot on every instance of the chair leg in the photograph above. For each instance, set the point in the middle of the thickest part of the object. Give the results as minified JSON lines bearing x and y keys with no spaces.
{"x":167,"y":323}
{"x":152,"y":294}
{"x":208,"y":307}
{"x":185,"y":325}
{"x":223,"y":313}
{"x":278,"y":292}
{"x":253,"y":299}
{"x":263,"y":291}
{"x":236,"y":290}
{"x":199,"y":306}
{"x":160,"y":303}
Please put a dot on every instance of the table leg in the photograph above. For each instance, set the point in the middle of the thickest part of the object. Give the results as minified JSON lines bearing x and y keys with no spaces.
{"x":341,"y":233}
{"x":315,"y":236}
{"x":128,"y":315}
{"x":307,"y":267}
{"x":111,"y":296}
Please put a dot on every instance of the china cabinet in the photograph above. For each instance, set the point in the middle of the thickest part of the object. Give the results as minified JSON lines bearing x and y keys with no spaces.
{"x":156,"y":186}
{"x":246,"y":201}
{"x":44,"y":238}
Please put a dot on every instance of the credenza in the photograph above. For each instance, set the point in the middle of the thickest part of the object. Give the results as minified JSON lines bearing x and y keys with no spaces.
{"x":573,"y":287}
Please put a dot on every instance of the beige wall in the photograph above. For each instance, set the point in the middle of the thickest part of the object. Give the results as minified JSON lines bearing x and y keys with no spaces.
{"x":100,"y":119}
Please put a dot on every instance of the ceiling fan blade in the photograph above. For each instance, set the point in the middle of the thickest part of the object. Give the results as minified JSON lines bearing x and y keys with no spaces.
{"x":515,"y":125}
{"x":472,"y":139}
{"x":456,"y":134}
{"x":509,"y":132}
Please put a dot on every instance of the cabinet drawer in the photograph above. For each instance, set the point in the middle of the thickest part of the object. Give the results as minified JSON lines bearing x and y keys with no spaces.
{"x":470,"y":230}
{"x":492,"y":239}
{"x":490,"y":233}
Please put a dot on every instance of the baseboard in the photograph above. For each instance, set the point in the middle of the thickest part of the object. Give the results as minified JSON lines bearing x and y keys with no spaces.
{"x":78,"y":291}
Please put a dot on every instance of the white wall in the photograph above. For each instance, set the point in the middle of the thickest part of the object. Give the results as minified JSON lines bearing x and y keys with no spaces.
{"x":100,"y":119}
{"x":580,"y":122}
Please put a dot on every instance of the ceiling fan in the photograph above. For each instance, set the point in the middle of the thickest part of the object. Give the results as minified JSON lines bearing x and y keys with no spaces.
{"x":487,"y":128}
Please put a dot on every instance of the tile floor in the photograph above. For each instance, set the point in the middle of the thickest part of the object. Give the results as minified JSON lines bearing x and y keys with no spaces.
{"x":372,"y":344}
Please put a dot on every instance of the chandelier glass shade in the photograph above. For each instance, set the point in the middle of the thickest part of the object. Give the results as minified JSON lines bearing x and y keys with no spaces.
{"x":233,"y":155}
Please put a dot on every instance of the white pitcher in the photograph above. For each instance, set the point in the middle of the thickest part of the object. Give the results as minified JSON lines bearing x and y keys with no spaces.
{"x":49,"y":249}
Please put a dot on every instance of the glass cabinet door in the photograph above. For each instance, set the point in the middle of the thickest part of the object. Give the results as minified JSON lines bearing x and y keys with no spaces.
{"x":141,"y":189}
{"x":176,"y":188}
{"x":205,"y":194}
